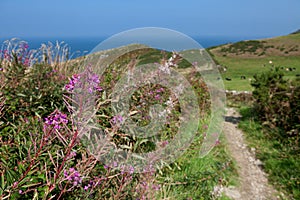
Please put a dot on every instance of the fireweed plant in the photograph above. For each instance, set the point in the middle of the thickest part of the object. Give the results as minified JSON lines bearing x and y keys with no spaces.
{"x":44,"y":152}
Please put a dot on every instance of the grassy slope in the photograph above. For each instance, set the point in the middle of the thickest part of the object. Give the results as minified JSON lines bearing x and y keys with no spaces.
{"x":243,"y":60}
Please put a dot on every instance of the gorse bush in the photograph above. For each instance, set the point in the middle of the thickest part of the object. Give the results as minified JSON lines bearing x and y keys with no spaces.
{"x":277,"y":102}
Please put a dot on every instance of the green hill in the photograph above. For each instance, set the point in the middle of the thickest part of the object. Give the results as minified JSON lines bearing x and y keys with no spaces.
{"x":241,"y":60}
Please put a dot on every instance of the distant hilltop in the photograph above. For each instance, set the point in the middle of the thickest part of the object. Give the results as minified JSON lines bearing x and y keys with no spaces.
{"x":296,"y":32}
{"x":288,"y":45}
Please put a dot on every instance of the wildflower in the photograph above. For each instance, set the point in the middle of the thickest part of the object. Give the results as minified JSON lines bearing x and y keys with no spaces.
{"x":73,"y":176}
{"x":94,"y":81}
{"x":86,"y":187}
{"x":160,"y":90}
{"x":20,"y":191}
{"x":150,"y":93}
{"x":115,"y":164}
{"x":117,"y":119}
{"x":131,"y":169}
{"x":57,"y":119}
{"x":73,"y":154}
{"x":105,"y":167}
{"x":157,"y":97}
{"x":15,"y":184}
{"x":26,"y":62}
{"x":156,"y":187}
{"x":70,"y":86}
{"x":127,"y":169}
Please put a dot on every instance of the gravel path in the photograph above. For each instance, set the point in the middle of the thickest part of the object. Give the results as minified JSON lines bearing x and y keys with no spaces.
{"x":253,"y":181}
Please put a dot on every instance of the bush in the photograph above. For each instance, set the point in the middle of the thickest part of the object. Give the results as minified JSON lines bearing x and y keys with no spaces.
{"x":277,"y":102}
{"x":36,"y":92}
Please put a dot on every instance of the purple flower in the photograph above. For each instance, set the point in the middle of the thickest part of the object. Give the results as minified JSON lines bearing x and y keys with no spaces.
{"x":65,"y":173}
{"x":92,"y":80}
{"x":73,"y":176}
{"x":15,"y":184}
{"x":20,"y":191}
{"x":70,"y":86}
{"x":94,"y":83}
{"x":131,"y":169}
{"x":157,"y":97}
{"x":115,"y":164}
{"x":86,"y":187}
{"x":156,"y":187}
{"x":117,"y":119}
{"x":57,"y":119}
{"x":160,"y":90}
{"x":72,"y":154}
{"x":26,"y":62}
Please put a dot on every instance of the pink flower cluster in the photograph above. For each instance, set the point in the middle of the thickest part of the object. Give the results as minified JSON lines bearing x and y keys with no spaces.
{"x":92,"y":80}
{"x":157,"y":93}
{"x":73,"y":80}
{"x":21,"y":52}
{"x":5,"y":55}
{"x":57,"y":119}
{"x":73,"y":176}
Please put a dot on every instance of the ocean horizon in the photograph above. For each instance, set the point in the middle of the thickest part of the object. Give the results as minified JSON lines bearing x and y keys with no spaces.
{"x":84,"y":45}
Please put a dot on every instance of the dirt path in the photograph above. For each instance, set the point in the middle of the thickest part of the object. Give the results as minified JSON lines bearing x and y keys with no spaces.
{"x":253,"y":182}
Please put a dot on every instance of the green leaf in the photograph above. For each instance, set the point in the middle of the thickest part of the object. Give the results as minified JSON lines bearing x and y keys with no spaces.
{"x":21,"y":95}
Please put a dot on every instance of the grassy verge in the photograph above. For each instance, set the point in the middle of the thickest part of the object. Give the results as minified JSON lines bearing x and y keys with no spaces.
{"x":281,"y":161}
{"x":192,"y":177}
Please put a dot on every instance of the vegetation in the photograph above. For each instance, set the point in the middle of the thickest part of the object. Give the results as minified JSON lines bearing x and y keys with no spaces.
{"x":271,"y":115}
{"x":270,"y":121}
{"x":280,"y":158}
{"x":247,"y":58}
{"x":45,"y":97}
{"x":46,"y":154}
{"x":277,"y":102}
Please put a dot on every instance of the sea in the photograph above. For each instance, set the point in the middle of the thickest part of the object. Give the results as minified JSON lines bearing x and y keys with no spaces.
{"x":83,"y":45}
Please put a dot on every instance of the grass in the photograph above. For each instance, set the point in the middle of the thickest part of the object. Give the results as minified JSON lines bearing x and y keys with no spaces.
{"x":246,"y":61}
{"x":248,"y":67}
{"x":281,"y":161}
{"x":195,"y":178}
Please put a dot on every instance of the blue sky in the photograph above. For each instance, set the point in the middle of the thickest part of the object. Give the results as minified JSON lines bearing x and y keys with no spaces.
{"x":79,"y":18}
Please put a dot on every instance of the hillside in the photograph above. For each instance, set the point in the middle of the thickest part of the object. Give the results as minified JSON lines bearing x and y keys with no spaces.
{"x":288,"y":45}
{"x":240,"y":61}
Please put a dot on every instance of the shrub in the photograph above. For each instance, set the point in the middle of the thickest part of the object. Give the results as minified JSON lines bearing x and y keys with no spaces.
{"x":277,"y":102}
